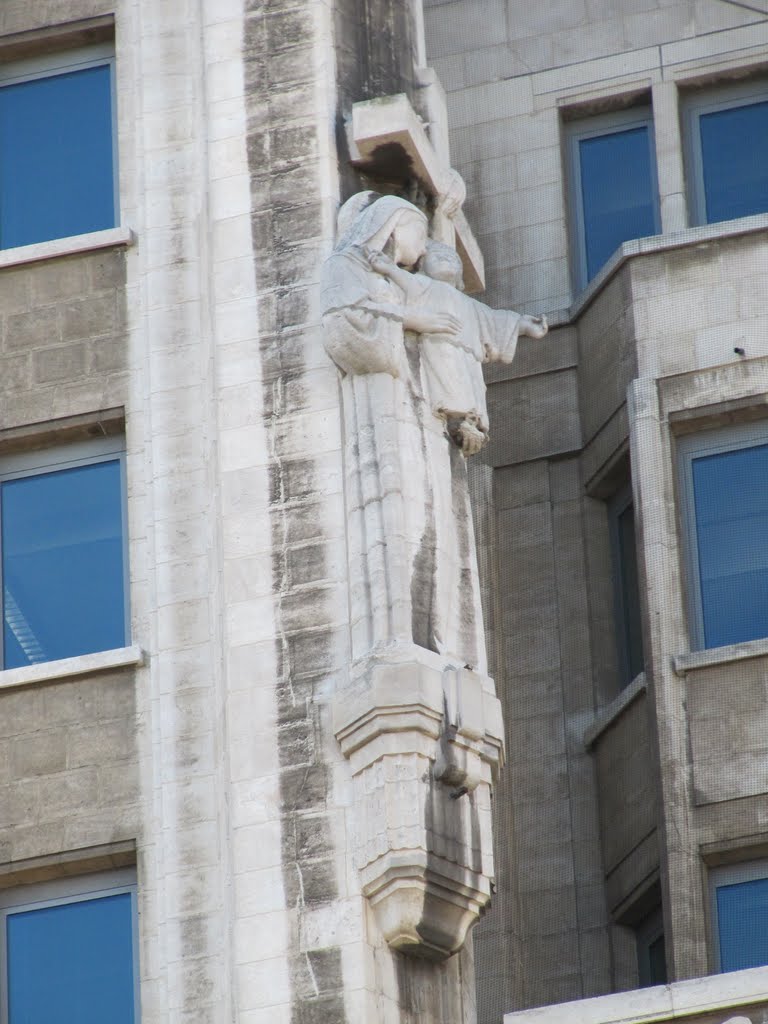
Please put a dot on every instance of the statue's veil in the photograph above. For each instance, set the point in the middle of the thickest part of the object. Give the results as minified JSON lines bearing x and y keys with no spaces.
{"x":360,"y":224}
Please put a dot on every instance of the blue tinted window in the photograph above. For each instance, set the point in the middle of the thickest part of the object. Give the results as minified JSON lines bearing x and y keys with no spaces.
{"x":731,"y":503}
{"x":62,"y":562}
{"x":734,"y":156}
{"x":617,"y":192}
{"x":742,"y":918}
{"x":56,"y":162}
{"x":72,"y":963}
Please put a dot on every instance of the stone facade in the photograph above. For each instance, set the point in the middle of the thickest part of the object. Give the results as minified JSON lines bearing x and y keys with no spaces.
{"x":219,"y":751}
{"x":619,"y":801}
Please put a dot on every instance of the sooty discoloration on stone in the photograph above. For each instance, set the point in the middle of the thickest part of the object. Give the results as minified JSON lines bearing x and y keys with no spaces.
{"x":390,"y":161}
{"x":422,"y":589}
{"x":374,"y":57}
{"x":462,"y":518}
{"x":287,"y":227}
{"x":374,"y":51}
{"x":436,"y":993}
{"x":423,"y":574}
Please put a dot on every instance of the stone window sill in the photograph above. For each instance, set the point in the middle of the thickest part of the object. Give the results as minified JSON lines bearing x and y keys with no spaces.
{"x":683,"y":663}
{"x":614,"y":710}
{"x":65,"y":668}
{"x":107,"y":239}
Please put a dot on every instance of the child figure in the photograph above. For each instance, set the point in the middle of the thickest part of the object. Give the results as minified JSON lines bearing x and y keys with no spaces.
{"x":452,"y":361}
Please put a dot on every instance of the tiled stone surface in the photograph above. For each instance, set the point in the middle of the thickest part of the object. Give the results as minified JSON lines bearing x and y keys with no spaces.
{"x":63,"y":348}
{"x":69,"y":776}
{"x":728,"y":738}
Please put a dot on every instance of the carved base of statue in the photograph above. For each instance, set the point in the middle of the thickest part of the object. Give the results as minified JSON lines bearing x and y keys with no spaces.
{"x":424,"y":742}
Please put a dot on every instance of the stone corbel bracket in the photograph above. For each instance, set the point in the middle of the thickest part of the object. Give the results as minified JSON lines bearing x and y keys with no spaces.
{"x":424,"y":742}
{"x":388,"y":120}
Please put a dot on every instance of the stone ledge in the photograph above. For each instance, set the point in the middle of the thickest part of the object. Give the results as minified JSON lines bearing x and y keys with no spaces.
{"x":614,"y":710}
{"x":683,"y":663}
{"x":83,"y":861}
{"x":66,"y":668}
{"x":106,"y":239}
{"x":655,"y":243}
{"x":722,"y":994}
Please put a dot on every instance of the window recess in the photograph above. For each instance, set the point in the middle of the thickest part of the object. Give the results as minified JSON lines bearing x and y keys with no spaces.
{"x":626,"y":588}
{"x":612,"y":186}
{"x":58,"y":157}
{"x":69,"y":951}
{"x":723,"y":478}
{"x":63,"y":552}
{"x":739,"y":913}
{"x":726,"y":149}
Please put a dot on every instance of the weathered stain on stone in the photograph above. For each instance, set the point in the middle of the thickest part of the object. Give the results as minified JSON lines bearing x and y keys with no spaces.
{"x":311,"y":884}
{"x":282,"y":152}
{"x":390,"y":161}
{"x":62,"y":338}
{"x":423,"y":589}
{"x":462,"y":518}
{"x":434,"y":993}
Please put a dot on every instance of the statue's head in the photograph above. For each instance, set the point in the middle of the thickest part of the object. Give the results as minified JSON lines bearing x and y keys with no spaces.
{"x":442,"y":263}
{"x":408,"y":240}
{"x":390,"y":224}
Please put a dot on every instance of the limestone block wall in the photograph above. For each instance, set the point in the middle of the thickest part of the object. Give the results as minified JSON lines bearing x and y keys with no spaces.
{"x":728,"y":754}
{"x":693,"y":305}
{"x":513,"y":75}
{"x":204,"y":337}
{"x":513,"y":79}
{"x":70,"y":786}
{"x":607,"y":354}
{"x":70,"y":783}
{"x":62,"y":324}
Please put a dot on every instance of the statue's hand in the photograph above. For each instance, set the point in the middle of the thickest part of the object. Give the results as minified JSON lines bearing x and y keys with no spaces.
{"x":534,"y":326}
{"x":380,"y":262}
{"x":469,"y":438}
{"x":427,"y":321}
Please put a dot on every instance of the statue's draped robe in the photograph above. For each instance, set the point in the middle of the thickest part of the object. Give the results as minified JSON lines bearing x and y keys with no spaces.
{"x":418,"y":728}
{"x":413,"y":564}
{"x":452,"y":364}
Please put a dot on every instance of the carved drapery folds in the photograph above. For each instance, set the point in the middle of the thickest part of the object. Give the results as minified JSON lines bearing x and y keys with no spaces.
{"x":417,"y":717}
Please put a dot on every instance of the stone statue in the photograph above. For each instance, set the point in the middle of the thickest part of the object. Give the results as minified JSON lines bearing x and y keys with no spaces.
{"x":415,"y":713}
{"x":452,"y":360}
{"x":364,"y":313}
{"x":382,"y":315}
{"x":457,"y":333}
